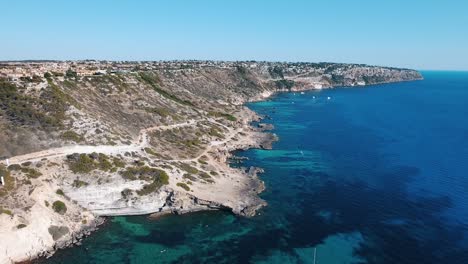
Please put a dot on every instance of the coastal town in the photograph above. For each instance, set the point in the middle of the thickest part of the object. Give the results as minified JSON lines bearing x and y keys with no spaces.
{"x":17,"y":70}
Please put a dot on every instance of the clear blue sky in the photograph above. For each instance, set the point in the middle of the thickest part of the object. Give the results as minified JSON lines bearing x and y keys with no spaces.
{"x":421,"y":34}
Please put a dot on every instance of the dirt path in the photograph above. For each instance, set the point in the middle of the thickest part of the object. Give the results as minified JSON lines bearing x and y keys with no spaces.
{"x":141,"y":142}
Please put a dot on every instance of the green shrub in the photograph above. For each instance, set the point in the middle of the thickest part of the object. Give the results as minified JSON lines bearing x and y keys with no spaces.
{"x":72,"y":136}
{"x":223,"y":115}
{"x":118,"y":163}
{"x":9,"y":181}
{"x":157,"y":176}
{"x":31,"y":173}
{"x":5,"y":211}
{"x":59,"y":207}
{"x":183,"y":186}
{"x":84,"y":163}
{"x":79,"y":184}
{"x":81,"y":164}
{"x":26,"y":164}
{"x":71,"y":74}
{"x":60,"y":192}
{"x":186,"y":167}
{"x":103,"y":163}
{"x":151,"y":151}
{"x":162,"y":112}
{"x":14,"y":167}
{"x":190,"y":177}
{"x":143,"y":173}
{"x":20,"y":226}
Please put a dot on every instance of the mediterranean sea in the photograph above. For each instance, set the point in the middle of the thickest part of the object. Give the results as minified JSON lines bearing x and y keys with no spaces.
{"x":375,"y":174}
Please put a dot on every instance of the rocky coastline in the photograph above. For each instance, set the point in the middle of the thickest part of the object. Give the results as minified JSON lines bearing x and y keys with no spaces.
{"x":199,"y":177}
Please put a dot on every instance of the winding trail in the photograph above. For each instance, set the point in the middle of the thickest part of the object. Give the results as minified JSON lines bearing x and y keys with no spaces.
{"x":141,"y":142}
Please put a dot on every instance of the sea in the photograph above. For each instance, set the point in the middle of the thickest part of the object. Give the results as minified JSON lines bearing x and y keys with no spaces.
{"x":375,"y":174}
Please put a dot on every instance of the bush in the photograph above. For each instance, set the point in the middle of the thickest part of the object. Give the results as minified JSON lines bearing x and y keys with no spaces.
{"x":20,"y":226}
{"x":31,"y":173}
{"x":183,"y":186}
{"x":72,"y":136}
{"x":186,"y":167}
{"x":157,"y":176}
{"x":103,"y":163}
{"x":190,"y":177}
{"x":5,"y":211}
{"x":151,"y":151}
{"x":84,"y":163}
{"x":9,"y":181}
{"x":118,"y":163}
{"x":223,"y":115}
{"x":59,"y":207}
{"x":14,"y":167}
{"x":79,"y":184}
{"x":71,"y":74}
{"x":60,"y":192}
{"x":162,"y":112}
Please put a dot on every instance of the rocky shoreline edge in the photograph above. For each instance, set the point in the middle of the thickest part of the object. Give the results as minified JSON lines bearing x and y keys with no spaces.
{"x":262,"y":140}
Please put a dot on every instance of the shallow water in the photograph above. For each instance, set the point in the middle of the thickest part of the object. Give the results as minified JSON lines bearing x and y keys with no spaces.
{"x":373,"y":175}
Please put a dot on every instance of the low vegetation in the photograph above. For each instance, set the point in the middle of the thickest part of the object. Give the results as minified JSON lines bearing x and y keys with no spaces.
{"x":9,"y":181}
{"x":31,"y":173}
{"x":155,"y":82}
{"x":5,"y":211}
{"x":162,"y":112}
{"x":223,"y":115}
{"x":284,"y":84}
{"x":157,"y":177}
{"x":72,"y":136}
{"x":186,"y":167}
{"x":86,"y":163}
{"x":59,"y":207}
{"x":183,"y":186}
{"x":78,"y":183}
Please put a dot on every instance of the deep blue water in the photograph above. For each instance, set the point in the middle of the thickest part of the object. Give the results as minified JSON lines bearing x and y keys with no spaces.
{"x":373,"y":175}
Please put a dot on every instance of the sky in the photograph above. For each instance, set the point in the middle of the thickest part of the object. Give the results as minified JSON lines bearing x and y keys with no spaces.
{"x":418,"y":34}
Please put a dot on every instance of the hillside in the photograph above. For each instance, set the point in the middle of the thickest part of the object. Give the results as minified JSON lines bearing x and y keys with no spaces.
{"x":104,"y":138}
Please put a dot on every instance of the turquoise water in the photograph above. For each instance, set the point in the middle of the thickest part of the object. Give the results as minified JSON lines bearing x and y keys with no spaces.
{"x":373,"y":175}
